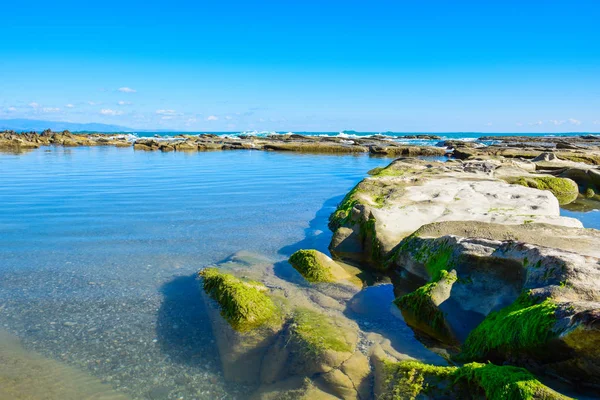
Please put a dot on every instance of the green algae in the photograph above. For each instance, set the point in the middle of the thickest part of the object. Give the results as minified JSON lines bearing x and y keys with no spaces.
{"x":421,"y":307}
{"x":504,"y":382}
{"x":524,"y":325}
{"x":409,"y":379}
{"x":344,"y":210}
{"x":244,"y":304}
{"x":405,"y":380}
{"x":306,"y":262}
{"x":369,"y":230}
{"x":316,"y":333}
{"x":565,"y":190}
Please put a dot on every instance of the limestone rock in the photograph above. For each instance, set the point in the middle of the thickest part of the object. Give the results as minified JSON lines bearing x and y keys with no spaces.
{"x":384,"y":208}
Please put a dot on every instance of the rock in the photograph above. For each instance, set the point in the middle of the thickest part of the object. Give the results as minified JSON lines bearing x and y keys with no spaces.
{"x":358,"y":370}
{"x":315,"y":266}
{"x":303,"y":337}
{"x":318,"y":147}
{"x":384,"y":208}
{"x":409,"y":151}
{"x":509,"y":301}
{"x":243,"y":304}
{"x":412,"y":379}
{"x":249,"y":326}
{"x":293,"y":388}
{"x":565,"y":189}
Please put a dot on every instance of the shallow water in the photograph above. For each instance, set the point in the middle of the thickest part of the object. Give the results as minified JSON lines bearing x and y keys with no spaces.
{"x":99,"y":246}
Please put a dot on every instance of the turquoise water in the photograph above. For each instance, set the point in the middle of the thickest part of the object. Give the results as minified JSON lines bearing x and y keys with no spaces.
{"x":99,"y":247}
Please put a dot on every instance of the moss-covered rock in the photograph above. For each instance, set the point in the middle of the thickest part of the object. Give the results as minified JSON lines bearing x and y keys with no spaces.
{"x":244,"y":304}
{"x":420,"y":308}
{"x":316,"y":267}
{"x":522,"y":327}
{"x":413,"y":379}
{"x":316,"y":333}
{"x":565,"y":190}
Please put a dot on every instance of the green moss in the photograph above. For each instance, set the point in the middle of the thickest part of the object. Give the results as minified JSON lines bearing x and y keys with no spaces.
{"x":344,"y":210}
{"x":589,"y":192}
{"x":307,"y":263}
{"x":504,"y":382}
{"x":565,"y":190}
{"x":409,"y":379}
{"x":375,"y":170}
{"x":524,"y":325}
{"x":243,"y":304}
{"x":421,"y":308}
{"x":315,"y":332}
{"x":368,"y":231}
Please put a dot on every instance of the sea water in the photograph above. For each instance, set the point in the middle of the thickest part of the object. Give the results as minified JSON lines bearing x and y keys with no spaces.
{"x":99,"y":249}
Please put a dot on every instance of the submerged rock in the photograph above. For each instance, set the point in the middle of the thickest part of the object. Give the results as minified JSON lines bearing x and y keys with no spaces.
{"x":274,"y":334}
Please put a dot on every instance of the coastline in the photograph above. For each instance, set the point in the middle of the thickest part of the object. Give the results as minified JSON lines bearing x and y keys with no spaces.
{"x":332,"y":374}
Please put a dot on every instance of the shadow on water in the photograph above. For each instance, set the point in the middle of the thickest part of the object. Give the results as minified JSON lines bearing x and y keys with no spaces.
{"x":183,"y":327}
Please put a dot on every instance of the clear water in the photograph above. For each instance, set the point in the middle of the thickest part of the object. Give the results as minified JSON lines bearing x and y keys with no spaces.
{"x":99,"y":247}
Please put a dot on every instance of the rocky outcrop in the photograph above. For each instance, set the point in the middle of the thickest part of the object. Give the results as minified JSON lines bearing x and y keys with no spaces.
{"x":508,"y":300}
{"x":272,"y":333}
{"x":394,"y":202}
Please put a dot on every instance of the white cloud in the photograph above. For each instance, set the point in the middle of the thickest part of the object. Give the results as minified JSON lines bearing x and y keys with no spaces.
{"x":11,"y":109}
{"x":597,"y":122}
{"x":108,"y":111}
{"x":574,"y":121}
{"x":538,"y":123}
{"x":519,"y":124}
{"x":167,"y":112}
{"x":34,"y":105}
{"x":489,"y":124}
{"x":93,"y":103}
{"x":166,"y":117}
{"x":70,"y":105}
{"x":126,"y":90}
{"x":50,"y":110}
{"x":228,"y":117}
{"x":212,"y":118}
{"x":124,"y":103}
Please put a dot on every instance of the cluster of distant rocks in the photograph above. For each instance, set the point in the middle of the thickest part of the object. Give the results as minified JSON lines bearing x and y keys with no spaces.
{"x":584,"y":148}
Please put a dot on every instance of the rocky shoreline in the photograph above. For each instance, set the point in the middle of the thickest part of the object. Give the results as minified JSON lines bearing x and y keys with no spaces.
{"x":377,"y":145}
{"x":486,"y":272}
{"x":501,"y":289}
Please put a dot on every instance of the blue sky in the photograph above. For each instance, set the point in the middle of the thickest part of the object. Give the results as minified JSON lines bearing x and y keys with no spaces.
{"x":425,"y":66}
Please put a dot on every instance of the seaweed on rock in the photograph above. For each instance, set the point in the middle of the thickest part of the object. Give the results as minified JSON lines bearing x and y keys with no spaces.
{"x":244,"y":304}
{"x":524,"y":325}
{"x":409,"y":379}
{"x":307,"y":263}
